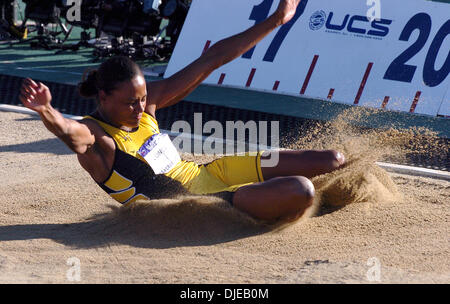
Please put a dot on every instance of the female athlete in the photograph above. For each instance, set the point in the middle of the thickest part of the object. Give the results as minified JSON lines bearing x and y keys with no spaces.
{"x":121,"y":147}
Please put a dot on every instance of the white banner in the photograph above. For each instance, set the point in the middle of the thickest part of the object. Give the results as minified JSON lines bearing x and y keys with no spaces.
{"x":393,"y":54}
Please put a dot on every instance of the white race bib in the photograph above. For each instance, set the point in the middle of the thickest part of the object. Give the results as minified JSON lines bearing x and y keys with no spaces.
{"x":159,"y":152}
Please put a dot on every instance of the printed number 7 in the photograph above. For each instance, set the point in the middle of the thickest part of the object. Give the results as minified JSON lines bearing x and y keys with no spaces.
{"x":259,"y":14}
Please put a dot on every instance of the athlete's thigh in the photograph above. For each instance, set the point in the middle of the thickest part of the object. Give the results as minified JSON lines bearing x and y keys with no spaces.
{"x":275,"y":198}
{"x":237,"y":169}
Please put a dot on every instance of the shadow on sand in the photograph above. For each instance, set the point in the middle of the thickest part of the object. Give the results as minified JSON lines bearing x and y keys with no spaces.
{"x":156,"y":224}
{"x":51,"y":145}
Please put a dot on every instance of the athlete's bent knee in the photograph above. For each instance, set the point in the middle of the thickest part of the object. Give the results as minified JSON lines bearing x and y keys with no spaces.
{"x":302,"y":197}
{"x":302,"y":189}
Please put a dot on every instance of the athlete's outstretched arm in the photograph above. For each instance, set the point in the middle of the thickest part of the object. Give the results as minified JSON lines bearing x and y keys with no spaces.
{"x":169,"y":91}
{"x":37,"y":97}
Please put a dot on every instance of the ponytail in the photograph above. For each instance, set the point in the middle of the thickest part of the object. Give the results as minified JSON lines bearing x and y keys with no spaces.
{"x":88,"y":87}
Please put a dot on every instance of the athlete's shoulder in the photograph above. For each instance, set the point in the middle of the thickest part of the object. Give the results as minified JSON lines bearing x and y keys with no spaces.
{"x":93,"y":125}
{"x":104,"y":144}
{"x":103,"y":141}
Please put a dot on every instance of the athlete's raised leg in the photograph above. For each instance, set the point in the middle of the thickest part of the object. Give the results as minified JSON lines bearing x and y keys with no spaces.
{"x":308,"y":163}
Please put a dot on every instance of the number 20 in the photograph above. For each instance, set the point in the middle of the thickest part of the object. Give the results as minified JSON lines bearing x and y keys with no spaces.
{"x":398,"y":70}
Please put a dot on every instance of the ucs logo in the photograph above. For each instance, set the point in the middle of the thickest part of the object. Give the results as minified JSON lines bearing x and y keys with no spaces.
{"x":354,"y":24}
{"x":317,"y":20}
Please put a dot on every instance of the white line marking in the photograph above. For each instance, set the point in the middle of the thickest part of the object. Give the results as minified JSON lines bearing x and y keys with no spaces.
{"x":23,"y":110}
{"x":47,"y":71}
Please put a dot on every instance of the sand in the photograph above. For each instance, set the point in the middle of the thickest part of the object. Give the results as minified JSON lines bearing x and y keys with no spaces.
{"x":370,"y":227}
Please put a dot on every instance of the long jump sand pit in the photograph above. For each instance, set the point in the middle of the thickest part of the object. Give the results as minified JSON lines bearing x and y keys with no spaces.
{"x":370,"y":226}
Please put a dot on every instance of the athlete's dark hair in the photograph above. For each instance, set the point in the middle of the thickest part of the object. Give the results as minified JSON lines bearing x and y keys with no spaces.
{"x":108,"y":76}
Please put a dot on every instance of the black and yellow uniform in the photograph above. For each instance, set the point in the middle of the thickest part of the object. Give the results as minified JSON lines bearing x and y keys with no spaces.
{"x":132,"y":179}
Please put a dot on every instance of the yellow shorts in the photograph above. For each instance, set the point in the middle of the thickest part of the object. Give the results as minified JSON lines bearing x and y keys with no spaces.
{"x":226,"y":174}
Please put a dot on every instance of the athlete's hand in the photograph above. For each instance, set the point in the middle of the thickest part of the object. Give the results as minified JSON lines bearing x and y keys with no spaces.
{"x":286,"y":10}
{"x":35,"y":96}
